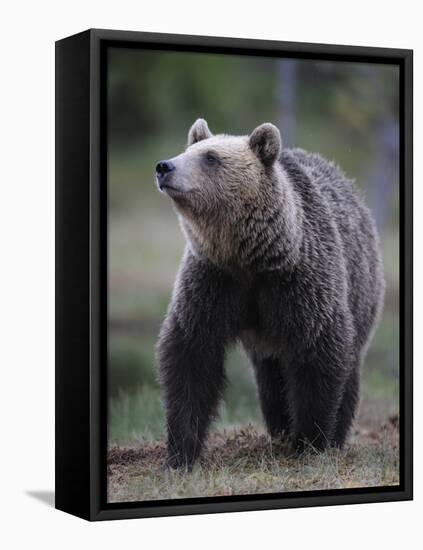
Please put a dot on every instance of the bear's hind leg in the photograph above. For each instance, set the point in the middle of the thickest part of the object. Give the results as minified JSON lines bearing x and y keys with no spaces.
{"x":318,"y":376}
{"x":318,"y":383}
{"x":272,"y":393}
{"x":347,"y":408}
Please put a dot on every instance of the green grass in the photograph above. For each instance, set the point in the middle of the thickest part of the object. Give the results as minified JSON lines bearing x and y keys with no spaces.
{"x":136,"y":416}
{"x":244,"y":461}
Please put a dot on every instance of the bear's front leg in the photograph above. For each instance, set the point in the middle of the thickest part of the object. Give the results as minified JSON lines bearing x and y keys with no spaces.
{"x":199,"y":325}
{"x":192,"y":378}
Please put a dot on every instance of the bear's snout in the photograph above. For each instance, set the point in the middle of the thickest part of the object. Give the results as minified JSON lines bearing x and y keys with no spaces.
{"x":166,"y":180}
{"x":163,"y":168}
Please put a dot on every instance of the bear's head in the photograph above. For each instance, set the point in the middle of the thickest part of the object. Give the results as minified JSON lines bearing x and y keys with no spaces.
{"x":227,"y":191}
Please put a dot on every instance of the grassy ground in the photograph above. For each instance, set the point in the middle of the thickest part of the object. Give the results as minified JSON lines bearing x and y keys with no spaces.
{"x":244,"y":461}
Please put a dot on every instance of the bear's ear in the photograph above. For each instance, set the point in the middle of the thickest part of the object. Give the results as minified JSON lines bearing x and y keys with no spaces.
{"x":198,"y":131}
{"x":266,"y":143}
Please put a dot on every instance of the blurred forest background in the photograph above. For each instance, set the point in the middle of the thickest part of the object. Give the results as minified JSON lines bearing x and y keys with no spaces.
{"x":348,"y":112}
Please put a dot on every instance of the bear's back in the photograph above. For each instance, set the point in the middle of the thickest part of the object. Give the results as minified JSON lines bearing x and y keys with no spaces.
{"x":311,"y":173}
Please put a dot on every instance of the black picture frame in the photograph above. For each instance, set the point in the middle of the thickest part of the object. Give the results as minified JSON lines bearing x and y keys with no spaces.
{"x":81,"y":274}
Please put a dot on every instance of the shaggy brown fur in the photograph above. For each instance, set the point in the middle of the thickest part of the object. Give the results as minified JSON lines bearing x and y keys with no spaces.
{"x":283,"y":256}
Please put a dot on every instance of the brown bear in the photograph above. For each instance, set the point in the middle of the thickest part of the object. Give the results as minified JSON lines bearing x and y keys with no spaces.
{"x":281,"y":255}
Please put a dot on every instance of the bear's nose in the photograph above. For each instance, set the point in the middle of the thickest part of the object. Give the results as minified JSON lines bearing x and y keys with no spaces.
{"x":163,"y":167}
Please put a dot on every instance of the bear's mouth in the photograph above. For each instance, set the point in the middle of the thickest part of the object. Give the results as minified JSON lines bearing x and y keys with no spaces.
{"x":170,"y":188}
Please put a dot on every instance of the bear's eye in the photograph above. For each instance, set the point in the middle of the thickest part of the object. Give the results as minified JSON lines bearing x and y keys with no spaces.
{"x":211,"y":158}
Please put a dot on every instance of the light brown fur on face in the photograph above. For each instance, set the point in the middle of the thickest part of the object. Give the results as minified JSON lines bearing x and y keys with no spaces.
{"x":229,"y":193}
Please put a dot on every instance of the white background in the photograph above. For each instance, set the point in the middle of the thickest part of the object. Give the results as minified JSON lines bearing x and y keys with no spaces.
{"x":28,"y":32}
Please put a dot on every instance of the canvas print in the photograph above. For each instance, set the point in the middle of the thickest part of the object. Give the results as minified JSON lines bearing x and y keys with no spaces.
{"x":253,"y":275}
